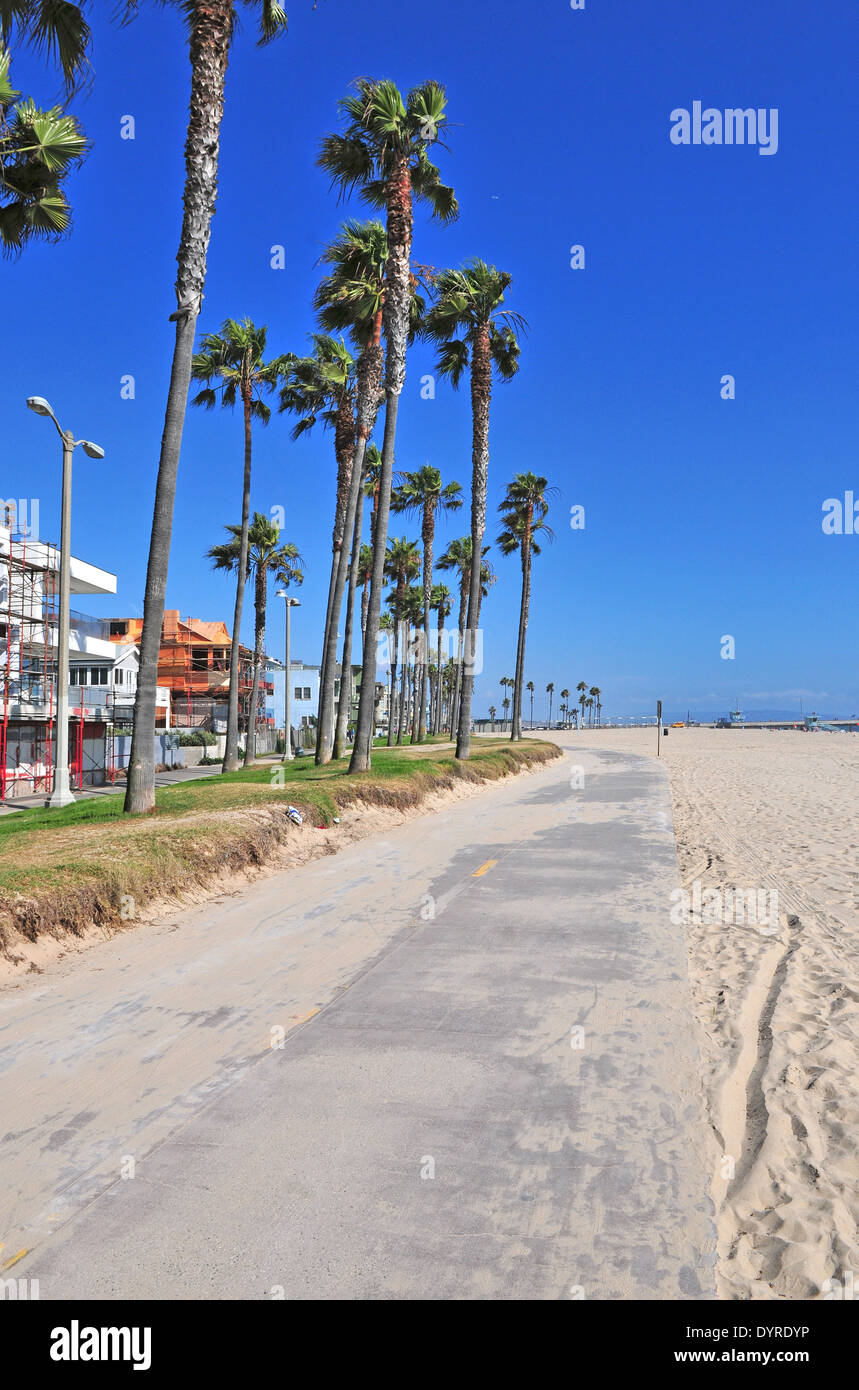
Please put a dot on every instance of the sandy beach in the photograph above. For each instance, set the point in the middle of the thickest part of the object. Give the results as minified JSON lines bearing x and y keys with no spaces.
{"x":776,"y":997}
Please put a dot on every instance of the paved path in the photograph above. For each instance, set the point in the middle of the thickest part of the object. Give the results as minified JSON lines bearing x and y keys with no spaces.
{"x":427,"y":1129}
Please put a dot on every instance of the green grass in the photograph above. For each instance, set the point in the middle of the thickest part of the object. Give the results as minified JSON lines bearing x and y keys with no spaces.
{"x":62,"y":870}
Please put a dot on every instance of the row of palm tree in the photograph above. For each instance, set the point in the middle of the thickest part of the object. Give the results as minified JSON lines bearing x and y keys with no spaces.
{"x":371,"y":293}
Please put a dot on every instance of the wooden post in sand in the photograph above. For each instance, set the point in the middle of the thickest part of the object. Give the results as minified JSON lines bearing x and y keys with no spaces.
{"x":658,"y":728}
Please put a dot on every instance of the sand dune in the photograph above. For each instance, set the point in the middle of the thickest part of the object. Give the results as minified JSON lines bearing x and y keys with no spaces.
{"x":779,"y":1026}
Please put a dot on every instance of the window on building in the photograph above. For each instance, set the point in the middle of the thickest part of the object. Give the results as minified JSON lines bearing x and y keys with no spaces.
{"x":336,"y":690}
{"x":296,"y":694}
{"x":200,"y":659}
{"x":307,"y":692}
{"x":98,"y":675}
{"x":119,"y":677}
{"x":77,"y":675}
{"x":118,"y":629}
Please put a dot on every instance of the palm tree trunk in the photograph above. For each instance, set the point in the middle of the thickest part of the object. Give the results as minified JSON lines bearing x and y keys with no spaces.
{"x":439,"y":677}
{"x":516,"y":731}
{"x":259,"y":644}
{"x":367,"y":401}
{"x":344,"y":708}
{"x":398,"y":299}
{"x":364,"y":597}
{"x":346,"y":447}
{"x":481,"y":392}
{"x":464,"y":584}
{"x":211,"y":29}
{"x":392,"y":721}
{"x":403,"y":682}
{"x":231,"y":749}
{"x":427,"y":538}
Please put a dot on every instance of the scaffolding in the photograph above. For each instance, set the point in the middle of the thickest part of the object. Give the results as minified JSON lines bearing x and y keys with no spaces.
{"x":29,"y":623}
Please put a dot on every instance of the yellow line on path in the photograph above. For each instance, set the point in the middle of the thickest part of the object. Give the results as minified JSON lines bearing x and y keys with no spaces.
{"x":14,"y":1260}
{"x":490,"y":863}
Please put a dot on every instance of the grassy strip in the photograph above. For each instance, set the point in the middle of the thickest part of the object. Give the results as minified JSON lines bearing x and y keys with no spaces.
{"x":62,"y":871}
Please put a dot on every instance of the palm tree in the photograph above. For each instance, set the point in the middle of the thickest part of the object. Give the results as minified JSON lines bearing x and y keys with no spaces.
{"x":492,"y":716}
{"x":530,"y":688}
{"x":523,"y":513}
{"x":38,"y":150}
{"x":582,"y":688}
{"x":401,"y":565}
{"x":589,"y":702}
{"x":210,"y":29}
{"x":351,"y":297}
{"x":59,"y":31}
{"x":440,"y":604}
{"x":383,"y":153}
{"x":596,"y":692}
{"x":472,"y":330}
{"x":322,"y":387}
{"x":565,"y":695}
{"x":458,"y":557}
{"x":265,"y":554}
{"x":424,"y":493}
{"x":234,"y":359}
{"x":550,"y":691}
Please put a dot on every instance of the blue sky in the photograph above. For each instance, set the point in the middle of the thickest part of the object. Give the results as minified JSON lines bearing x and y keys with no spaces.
{"x":702,"y":515}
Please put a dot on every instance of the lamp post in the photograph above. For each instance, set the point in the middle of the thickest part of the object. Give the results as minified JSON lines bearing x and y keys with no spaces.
{"x":62,"y":794}
{"x":287,"y":732}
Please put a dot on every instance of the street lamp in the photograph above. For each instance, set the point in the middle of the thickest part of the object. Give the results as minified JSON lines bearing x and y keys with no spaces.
{"x":62,"y":794}
{"x":287,"y":732}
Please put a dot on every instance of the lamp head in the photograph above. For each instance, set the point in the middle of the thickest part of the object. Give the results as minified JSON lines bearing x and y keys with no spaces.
{"x":280,"y":593}
{"x":93,"y":451}
{"x":39,"y":405}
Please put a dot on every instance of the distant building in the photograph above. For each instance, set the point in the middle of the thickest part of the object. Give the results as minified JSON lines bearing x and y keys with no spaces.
{"x":194,"y":665}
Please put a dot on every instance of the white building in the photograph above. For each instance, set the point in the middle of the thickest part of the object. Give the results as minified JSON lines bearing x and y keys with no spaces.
{"x":103,"y":674}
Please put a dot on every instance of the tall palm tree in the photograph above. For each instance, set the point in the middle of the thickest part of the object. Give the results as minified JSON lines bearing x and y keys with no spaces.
{"x":582,"y":688}
{"x":492,"y":716}
{"x":350,"y":298}
{"x":383,"y":154}
{"x":472,"y":330}
{"x":565,"y":695}
{"x":458,"y":557}
{"x":440,"y":604}
{"x":595,"y":692}
{"x":530,"y":688}
{"x":523,"y":513}
{"x":265,"y":554}
{"x":322,"y":387}
{"x":550,"y":688}
{"x":423,"y":492}
{"x":232,"y":366}
{"x":589,"y":704}
{"x":38,"y":150}
{"x":401,"y":565}
{"x":210,"y":27}
{"x":506,"y":683}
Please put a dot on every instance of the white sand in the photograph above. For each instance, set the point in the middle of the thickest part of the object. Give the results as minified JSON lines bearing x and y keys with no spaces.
{"x":778,"y":1020}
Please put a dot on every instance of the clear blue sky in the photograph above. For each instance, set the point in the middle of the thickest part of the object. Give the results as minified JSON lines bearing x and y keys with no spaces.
{"x":703,"y":516}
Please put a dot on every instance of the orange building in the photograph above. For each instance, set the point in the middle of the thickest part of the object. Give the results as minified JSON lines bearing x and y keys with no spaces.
{"x":194,"y":664}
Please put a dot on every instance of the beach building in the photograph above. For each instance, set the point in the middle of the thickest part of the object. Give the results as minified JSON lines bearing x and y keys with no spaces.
{"x":194,"y":665}
{"x":102,"y":672}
